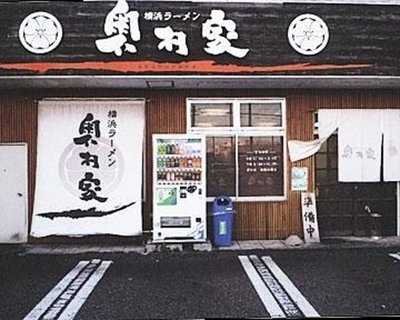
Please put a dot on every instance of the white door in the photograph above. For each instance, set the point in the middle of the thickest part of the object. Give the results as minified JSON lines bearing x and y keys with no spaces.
{"x":13,"y":193}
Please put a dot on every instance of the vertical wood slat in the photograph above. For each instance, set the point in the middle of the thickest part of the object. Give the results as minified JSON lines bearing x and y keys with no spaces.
{"x":166,"y":113}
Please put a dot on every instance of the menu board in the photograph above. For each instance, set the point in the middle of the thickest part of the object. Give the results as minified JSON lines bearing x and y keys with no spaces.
{"x":261,"y":166}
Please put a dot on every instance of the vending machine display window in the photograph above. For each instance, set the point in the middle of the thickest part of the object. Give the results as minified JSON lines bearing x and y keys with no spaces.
{"x":179,"y":195}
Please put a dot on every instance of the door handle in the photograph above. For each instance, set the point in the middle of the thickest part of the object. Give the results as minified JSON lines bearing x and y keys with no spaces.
{"x":19,"y":194}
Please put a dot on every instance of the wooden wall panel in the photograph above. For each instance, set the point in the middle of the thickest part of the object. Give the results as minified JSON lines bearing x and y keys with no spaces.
{"x":166,"y":113}
{"x":277,"y":220}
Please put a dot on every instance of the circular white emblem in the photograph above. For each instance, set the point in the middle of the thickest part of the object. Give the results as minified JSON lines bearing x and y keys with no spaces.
{"x":72,"y":169}
{"x":308,"y":34}
{"x":40,"y":32}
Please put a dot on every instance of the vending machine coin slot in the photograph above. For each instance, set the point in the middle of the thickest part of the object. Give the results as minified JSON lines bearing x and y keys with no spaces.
{"x":182,"y":193}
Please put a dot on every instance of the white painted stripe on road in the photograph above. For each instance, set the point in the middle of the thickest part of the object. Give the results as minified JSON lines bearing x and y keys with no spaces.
{"x":286,"y":303}
{"x":66,"y":297}
{"x":306,"y":308}
{"x":263,"y":292}
{"x":46,"y":302}
{"x":73,"y":307}
{"x":395,"y":255}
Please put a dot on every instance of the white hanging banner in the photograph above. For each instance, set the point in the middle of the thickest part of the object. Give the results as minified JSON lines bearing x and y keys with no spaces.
{"x":89,"y":168}
{"x":359,"y":146}
{"x":328,"y":122}
{"x":391,"y":145}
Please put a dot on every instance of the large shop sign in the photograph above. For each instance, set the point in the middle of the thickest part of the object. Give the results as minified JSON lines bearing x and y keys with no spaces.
{"x":41,"y":33}
{"x":145,"y":37}
{"x":89,"y":168}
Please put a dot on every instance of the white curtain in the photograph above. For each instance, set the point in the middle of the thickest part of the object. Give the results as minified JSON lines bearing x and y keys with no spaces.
{"x":359,"y":146}
{"x":89,"y":168}
{"x":360,"y":134}
{"x":391,"y":145}
{"x":328,"y":122}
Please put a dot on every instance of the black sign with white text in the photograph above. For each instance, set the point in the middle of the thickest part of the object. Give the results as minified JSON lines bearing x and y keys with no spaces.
{"x":148,"y":37}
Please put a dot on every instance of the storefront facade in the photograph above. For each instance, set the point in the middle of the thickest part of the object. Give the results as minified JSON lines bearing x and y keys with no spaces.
{"x":249,"y":98}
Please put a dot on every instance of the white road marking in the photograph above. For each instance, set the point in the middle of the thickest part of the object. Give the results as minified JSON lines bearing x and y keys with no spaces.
{"x":263,"y":292}
{"x":306,"y":308}
{"x":66,"y":297}
{"x":286,"y":303}
{"x":46,"y":302}
{"x":76,"y":285}
{"x":395,"y":255}
{"x":73,"y":307}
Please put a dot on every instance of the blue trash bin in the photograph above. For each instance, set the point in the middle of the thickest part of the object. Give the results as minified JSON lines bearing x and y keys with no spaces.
{"x":222,"y":213}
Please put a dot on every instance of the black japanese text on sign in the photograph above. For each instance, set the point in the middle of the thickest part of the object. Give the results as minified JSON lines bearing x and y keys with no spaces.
{"x":89,"y":130}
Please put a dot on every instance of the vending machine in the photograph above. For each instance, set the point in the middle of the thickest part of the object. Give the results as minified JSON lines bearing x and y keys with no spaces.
{"x":179,"y":195}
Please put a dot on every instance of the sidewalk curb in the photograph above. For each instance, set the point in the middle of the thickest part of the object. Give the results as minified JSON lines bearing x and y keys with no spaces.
{"x":148,"y":248}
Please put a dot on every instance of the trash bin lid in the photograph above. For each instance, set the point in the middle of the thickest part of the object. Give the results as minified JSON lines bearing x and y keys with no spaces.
{"x":222,"y":201}
{"x":219,"y":213}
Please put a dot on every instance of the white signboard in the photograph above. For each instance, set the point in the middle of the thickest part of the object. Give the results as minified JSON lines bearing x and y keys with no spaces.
{"x":299,"y":178}
{"x":309,"y":214}
{"x":89,"y":168}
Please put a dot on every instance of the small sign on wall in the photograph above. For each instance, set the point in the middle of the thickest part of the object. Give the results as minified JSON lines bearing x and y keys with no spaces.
{"x":299,"y":178}
{"x":309,"y":214}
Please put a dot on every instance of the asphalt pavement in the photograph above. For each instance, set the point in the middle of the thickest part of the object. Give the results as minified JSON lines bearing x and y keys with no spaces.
{"x":332,"y":282}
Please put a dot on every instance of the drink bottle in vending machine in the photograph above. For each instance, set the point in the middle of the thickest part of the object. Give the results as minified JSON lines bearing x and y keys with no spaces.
{"x":179,"y":197}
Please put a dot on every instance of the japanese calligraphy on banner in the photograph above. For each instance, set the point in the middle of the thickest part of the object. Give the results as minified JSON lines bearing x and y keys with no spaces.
{"x":309,"y":214}
{"x":89,"y":168}
{"x":360,"y":146}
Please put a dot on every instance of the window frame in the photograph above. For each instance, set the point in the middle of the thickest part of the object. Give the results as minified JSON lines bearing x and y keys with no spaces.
{"x":201,"y":129}
{"x":237,"y":131}
{"x":261,"y":128}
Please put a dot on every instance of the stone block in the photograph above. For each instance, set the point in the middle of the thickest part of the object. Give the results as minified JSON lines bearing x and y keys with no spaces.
{"x":206,"y":246}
